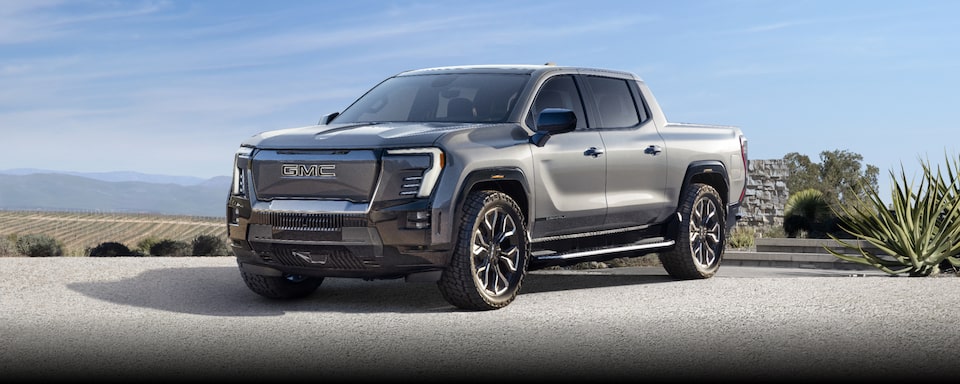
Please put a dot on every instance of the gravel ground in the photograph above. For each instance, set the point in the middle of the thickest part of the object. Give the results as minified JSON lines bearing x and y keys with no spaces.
{"x":152,"y":319}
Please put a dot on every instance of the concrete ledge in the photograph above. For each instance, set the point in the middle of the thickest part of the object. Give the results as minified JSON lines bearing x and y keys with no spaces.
{"x":782,"y":256}
{"x":810,"y":245}
{"x":799,"y":253}
{"x":789,"y":260}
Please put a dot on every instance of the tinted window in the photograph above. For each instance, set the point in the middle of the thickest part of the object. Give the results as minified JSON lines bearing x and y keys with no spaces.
{"x":469,"y":98}
{"x":614,"y":101}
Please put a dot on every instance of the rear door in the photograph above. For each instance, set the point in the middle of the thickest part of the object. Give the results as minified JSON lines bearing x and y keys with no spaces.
{"x":636,"y":155}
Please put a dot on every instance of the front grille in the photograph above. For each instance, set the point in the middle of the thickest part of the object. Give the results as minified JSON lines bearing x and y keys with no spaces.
{"x":348,"y":175}
{"x":318,"y":222}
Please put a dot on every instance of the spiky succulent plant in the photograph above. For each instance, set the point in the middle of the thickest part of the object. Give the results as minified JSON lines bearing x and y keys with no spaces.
{"x":917,"y":233}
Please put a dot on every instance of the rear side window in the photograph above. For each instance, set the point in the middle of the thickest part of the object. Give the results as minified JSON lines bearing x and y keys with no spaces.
{"x":614,"y":101}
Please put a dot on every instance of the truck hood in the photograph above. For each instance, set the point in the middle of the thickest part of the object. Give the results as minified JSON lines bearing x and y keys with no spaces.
{"x":355,"y":135}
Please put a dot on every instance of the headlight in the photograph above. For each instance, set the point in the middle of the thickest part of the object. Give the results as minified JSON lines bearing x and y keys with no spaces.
{"x":422,"y":185}
{"x":241,"y":161}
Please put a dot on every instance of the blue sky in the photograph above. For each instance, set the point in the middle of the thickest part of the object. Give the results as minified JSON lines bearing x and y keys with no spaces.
{"x":173,"y":87}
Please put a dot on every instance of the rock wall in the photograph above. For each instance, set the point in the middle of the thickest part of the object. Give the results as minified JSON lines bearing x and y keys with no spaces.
{"x":766,"y":193}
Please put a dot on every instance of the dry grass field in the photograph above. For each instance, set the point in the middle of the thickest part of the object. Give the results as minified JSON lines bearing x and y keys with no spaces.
{"x":79,"y":231}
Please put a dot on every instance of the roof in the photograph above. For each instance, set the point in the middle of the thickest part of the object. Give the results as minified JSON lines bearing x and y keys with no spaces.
{"x":520,"y":68}
{"x":510,"y":68}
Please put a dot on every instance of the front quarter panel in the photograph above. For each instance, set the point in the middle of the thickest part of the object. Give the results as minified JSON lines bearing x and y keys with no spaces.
{"x":498,"y":147}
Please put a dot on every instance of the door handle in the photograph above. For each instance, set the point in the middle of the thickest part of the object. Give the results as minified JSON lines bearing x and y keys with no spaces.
{"x":593,"y":151}
{"x":653,"y":150}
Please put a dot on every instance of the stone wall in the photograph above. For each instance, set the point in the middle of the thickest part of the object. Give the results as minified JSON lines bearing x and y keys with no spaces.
{"x":766,"y":193}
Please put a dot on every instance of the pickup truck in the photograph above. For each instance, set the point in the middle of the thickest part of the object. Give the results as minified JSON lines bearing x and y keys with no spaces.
{"x":470,"y":176}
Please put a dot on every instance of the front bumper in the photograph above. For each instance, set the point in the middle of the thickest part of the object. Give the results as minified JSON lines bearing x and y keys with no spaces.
{"x":332,"y":238}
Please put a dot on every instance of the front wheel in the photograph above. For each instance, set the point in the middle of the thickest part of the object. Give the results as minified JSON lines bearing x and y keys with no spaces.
{"x":281,"y":287}
{"x":490,"y":259}
{"x":700,"y":235}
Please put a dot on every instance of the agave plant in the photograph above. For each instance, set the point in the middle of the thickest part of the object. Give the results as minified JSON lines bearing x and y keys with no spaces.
{"x":918,"y":233}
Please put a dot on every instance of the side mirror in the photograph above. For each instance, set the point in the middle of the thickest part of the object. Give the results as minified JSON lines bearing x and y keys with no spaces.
{"x":553,"y":121}
{"x":326,"y":119}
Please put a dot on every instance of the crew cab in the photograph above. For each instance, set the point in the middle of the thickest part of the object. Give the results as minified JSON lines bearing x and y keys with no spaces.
{"x":470,"y":176}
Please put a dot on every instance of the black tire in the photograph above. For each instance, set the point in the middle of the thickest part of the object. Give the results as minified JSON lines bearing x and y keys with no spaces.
{"x":701,"y":235}
{"x":281,"y":287}
{"x":491,"y":255}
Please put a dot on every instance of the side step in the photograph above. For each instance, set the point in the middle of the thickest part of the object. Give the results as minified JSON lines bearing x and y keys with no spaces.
{"x":551,"y":255}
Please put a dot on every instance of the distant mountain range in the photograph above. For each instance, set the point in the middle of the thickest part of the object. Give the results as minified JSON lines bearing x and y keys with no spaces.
{"x":121,"y":176}
{"x":126,"y":192}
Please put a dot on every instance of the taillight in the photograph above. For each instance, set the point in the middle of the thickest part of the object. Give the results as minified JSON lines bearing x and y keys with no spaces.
{"x":746,"y":173}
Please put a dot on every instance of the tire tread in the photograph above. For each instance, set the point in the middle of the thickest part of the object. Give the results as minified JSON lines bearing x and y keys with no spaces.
{"x":456,"y":284}
{"x":678,"y":261}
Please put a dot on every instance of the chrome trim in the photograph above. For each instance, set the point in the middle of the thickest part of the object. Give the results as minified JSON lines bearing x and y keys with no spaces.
{"x":308,"y":171}
{"x":306,"y":206}
{"x":607,"y":250}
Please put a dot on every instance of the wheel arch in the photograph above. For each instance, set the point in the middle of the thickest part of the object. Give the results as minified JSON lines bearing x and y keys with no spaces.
{"x":511,"y":181}
{"x":710,"y":172}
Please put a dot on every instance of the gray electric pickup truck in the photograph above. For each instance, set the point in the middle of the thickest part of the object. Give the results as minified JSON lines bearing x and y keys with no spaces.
{"x":470,"y":176}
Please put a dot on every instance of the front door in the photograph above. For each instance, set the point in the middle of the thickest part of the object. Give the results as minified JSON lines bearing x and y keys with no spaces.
{"x":570,"y":169}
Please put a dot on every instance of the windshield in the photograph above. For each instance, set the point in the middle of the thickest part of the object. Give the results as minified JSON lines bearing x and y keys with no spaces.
{"x":464,"y":98}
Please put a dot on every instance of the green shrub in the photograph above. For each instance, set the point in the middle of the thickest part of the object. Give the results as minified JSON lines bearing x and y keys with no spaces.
{"x":8,"y":247}
{"x":39,"y":245}
{"x":773,"y":232}
{"x":111,"y":249}
{"x":167,"y":247}
{"x":742,"y":237}
{"x":147,"y":243}
{"x":918,"y":234}
{"x":587,"y":265}
{"x":648,"y":260}
{"x":209,"y":245}
{"x":807,"y":212}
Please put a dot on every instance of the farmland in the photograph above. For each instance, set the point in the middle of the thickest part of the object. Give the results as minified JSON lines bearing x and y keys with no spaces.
{"x":79,"y":231}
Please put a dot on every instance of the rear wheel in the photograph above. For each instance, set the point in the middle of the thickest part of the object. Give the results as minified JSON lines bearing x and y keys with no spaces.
{"x":281,"y":287}
{"x":490,"y":259}
{"x":700,"y":236}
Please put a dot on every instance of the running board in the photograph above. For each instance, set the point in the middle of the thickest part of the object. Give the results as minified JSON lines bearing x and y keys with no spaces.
{"x":600,"y":251}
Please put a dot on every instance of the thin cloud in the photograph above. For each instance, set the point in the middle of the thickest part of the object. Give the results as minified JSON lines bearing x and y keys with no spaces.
{"x":23,"y":22}
{"x":752,"y":70}
{"x":781,"y":25}
{"x":791,"y":24}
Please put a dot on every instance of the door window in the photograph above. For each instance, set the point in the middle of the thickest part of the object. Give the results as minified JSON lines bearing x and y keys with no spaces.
{"x":560,"y":92}
{"x":614,"y":102}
